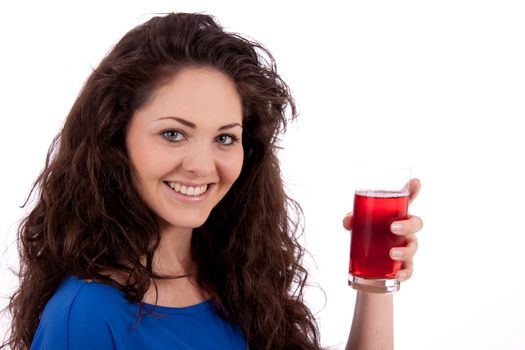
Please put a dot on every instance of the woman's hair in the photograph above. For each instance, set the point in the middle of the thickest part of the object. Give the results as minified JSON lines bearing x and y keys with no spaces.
{"x":89,"y":219}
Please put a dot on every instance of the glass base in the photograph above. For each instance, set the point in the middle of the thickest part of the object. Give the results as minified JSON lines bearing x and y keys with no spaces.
{"x":374,"y":285}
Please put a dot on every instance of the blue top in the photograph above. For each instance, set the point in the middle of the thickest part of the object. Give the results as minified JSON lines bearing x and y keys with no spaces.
{"x":91,"y":315}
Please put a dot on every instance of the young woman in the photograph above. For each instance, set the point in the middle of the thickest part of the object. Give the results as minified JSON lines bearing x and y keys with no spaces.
{"x":161,"y":219}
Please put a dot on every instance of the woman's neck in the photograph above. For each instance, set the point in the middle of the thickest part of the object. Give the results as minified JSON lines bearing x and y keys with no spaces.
{"x":173,"y":255}
{"x":172,"y":259}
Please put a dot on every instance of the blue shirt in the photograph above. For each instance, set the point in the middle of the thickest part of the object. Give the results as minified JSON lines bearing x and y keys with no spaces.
{"x":90,"y":315}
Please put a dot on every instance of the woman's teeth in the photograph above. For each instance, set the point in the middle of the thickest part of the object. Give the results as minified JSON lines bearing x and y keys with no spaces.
{"x":188,"y":190}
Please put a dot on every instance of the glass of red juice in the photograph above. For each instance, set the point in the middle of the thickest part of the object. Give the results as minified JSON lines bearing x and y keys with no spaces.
{"x":381,"y":197}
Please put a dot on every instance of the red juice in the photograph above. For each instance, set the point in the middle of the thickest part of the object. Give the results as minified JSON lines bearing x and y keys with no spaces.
{"x":372,"y":239}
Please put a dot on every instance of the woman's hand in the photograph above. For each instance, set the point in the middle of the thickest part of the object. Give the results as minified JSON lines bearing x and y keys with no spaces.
{"x":407,"y":228}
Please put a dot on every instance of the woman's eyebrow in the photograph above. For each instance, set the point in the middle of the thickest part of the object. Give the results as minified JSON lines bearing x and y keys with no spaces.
{"x":193,"y":126}
{"x":229,"y":126}
{"x":180,"y":120}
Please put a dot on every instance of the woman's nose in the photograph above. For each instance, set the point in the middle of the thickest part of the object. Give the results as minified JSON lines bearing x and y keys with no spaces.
{"x":199,"y":160}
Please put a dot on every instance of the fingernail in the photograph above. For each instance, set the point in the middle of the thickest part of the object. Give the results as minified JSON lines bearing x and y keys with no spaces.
{"x":401,"y":276}
{"x":396,"y":253}
{"x":396,"y":227}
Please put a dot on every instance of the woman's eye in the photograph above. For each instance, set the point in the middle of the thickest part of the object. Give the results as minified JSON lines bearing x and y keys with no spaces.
{"x":227,"y":139}
{"x":173,"y":135}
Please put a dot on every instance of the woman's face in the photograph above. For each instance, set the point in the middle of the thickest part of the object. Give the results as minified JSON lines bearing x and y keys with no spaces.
{"x":185,"y":146}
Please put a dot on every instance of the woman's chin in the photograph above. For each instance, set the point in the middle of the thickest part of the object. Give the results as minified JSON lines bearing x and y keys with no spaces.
{"x":187,"y":223}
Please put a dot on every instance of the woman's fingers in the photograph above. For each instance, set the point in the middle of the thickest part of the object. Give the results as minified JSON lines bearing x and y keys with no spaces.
{"x":406,"y":255}
{"x":406,"y":273}
{"x":413,"y":187}
{"x":407,"y":252}
{"x":347,"y":221}
{"x":406,"y":227}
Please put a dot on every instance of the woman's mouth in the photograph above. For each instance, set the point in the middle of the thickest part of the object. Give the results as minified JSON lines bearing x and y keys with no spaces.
{"x":192,"y":191}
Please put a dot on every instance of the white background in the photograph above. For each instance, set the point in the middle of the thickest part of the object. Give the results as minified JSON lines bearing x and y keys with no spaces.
{"x":438,"y":84}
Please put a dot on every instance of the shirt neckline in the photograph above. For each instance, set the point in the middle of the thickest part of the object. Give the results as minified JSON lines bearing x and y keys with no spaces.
{"x":204,"y":306}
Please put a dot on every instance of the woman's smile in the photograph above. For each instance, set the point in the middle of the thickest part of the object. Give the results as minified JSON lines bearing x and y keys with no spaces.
{"x":187,"y":190}
{"x":189,"y":194}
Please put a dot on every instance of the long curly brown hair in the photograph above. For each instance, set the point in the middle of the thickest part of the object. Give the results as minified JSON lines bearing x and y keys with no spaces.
{"x":87,"y":219}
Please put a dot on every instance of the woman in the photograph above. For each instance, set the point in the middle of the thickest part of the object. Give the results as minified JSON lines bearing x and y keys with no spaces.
{"x":161,"y":219}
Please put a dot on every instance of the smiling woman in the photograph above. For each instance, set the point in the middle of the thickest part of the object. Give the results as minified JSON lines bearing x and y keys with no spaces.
{"x":162,"y":193}
{"x":161,"y":219}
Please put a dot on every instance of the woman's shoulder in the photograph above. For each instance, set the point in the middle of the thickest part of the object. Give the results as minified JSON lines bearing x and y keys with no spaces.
{"x":76,"y":294}
{"x":78,"y":310}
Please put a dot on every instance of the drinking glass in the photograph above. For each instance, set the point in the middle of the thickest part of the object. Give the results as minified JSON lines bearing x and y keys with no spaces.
{"x":381,"y":197}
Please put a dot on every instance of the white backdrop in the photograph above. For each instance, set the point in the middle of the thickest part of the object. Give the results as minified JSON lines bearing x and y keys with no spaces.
{"x":439,"y":84}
